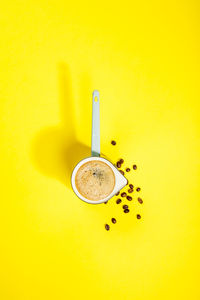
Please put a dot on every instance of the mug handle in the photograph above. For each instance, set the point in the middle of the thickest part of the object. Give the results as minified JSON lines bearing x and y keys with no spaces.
{"x":95,"y":124}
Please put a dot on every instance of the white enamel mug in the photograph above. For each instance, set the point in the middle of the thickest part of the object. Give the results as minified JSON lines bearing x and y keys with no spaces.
{"x":120,"y":180}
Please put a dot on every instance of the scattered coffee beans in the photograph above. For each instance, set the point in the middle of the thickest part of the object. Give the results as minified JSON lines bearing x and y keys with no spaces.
{"x":123,"y":194}
{"x":140,"y":200}
{"x":113,"y":220}
{"x":118,"y":201}
{"x":113,"y":143}
{"x":118,"y":164}
{"x":125,"y":206}
{"x":107,"y":227}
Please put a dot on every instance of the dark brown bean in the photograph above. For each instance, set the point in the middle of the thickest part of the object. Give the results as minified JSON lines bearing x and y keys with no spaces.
{"x":113,"y":143}
{"x":129,"y":198}
{"x":128,"y":169}
{"x":127,"y":182}
{"x":105,"y":202}
{"x":134,"y":167}
{"x":117,"y":194}
{"x":122,"y":172}
{"x":113,"y":220}
{"x":138,"y":216}
{"x":126,"y":211}
{"x":107,"y":227}
{"x":123,"y":194}
{"x":140,"y":200}
{"x":121,"y":160}
{"x":131,"y":186}
{"x":125,"y":206}
{"x":118,"y":165}
{"x":130,"y":190}
{"x":138,"y":189}
{"x":118,"y":201}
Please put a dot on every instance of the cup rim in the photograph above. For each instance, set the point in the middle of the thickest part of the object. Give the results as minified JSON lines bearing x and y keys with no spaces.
{"x":116,"y":188}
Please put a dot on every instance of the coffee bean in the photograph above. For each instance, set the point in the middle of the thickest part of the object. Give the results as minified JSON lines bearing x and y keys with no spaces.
{"x":131,"y":186}
{"x":127,"y":182}
{"x":129,"y":198}
{"x":118,"y":165}
{"x":121,"y":161}
{"x":138,"y":216}
{"x":118,"y":201}
{"x":138,"y":189}
{"x":105,"y":202}
{"x":125,"y":206}
{"x":117,"y":194}
{"x":126,"y":211}
{"x":113,"y":143}
{"x":123,"y":194}
{"x":122,"y":172}
{"x":128,"y":169}
{"x":113,"y":220}
{"x":140,"y":200}
{"x":107,"y":227}
{"x":134,"y":167}
{"x":130,"y":190}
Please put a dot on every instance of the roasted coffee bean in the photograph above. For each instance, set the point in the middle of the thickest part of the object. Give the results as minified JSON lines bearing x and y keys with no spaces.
{"x":118,"y":164}
{"x":130,"y":190}
{"x":113,"y":143}
{"x":134,"y":167}
{"x":131,"y":186}
{"x":125,"y":206}
{"x":107,"y":227}
{"x":129,"y":198}
{"x":122,"y":172}
{"x":128,"y":169}
{"x":117,"y":194}
{"x":118,"y":201}
{"x":127,"y":182}
{"x":126,"y":211}
{"x":138,"y":189}
{"x":113,"y":220}
{"x":123,"y":194}
{"x":140,"y":200}
{"x":121,"y":161}
{"x":138,"y":216}
{"x":105,"y":202}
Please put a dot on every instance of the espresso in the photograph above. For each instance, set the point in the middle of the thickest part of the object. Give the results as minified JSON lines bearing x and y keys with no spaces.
{"x":95,"y":180}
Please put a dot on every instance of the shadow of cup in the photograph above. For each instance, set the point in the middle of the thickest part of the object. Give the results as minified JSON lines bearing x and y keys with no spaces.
{"x":55,"y":154}
{"x":55,"y":150}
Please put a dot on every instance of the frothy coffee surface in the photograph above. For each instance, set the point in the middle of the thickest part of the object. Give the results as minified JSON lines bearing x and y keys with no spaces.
{"x":95,"y":180}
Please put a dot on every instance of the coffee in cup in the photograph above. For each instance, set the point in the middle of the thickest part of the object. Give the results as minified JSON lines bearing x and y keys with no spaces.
{"x":95,"y":180}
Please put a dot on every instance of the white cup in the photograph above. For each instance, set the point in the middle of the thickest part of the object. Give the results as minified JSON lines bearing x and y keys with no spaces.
{"x":120,"y":180}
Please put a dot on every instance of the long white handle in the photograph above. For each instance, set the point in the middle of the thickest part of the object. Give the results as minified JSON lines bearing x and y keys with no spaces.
{"x":95,"y":124}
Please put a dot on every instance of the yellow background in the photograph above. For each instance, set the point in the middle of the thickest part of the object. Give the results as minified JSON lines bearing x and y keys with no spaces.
{"x":143,"y":56}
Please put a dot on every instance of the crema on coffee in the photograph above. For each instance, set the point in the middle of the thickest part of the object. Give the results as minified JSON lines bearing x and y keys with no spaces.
{"x":95,"y":180}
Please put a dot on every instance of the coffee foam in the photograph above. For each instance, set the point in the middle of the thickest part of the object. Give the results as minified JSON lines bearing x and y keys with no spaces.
{"x":95,"y":180}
